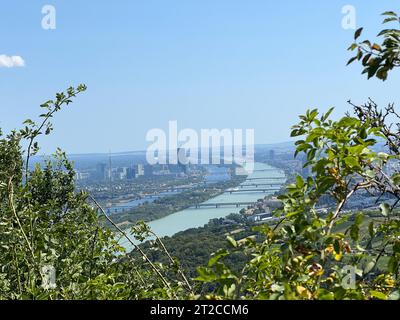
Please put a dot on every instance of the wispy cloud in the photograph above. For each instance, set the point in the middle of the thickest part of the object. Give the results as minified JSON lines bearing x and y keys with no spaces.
{"x":11,"y":61}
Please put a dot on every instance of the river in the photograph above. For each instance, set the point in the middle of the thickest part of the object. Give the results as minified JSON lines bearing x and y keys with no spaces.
{"x":198,"y":217}
{"x":215,"y":174}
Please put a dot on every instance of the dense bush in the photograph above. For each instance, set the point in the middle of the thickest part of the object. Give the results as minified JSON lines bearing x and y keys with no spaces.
{"x":312,"y":255}
{"x":53,"y":245}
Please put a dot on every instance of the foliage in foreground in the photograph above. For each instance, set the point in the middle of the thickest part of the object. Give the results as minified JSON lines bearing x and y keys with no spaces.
{"x":315,"y":255}
{"x":52,"y":242}
{"x":309,"y":255}
{"x":379,"y":59}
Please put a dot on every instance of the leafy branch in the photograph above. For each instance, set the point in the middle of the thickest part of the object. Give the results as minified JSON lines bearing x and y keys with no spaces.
{"x":33,"y":130}
{"x":123,"y":233}
{"x":379,"y":59}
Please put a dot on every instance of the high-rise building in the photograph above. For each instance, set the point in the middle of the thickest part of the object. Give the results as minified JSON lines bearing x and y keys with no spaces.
{"x":100,"y":171}
{"x":139,"y":170}
{"x":130,"y":173}
{"x":121,"y":173}
{"x":82,"y":175}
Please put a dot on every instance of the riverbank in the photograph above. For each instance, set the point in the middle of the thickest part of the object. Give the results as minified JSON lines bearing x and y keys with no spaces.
{"x":167,"y":205}
{"x":194,"y":218}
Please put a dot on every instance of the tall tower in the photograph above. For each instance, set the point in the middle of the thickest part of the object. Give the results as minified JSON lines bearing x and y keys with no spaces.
{"x":110,"y":176}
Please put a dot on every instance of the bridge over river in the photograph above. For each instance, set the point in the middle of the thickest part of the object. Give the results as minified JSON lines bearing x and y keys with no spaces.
{"x":263,"y":190}
{"x":264,"y":180}
{"x":282,"y":179}
{"x":266,"y":170}
{"x":260,"y":185}
{"x":222,"y":204}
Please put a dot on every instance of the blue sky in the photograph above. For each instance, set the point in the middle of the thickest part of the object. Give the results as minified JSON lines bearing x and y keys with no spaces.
{"x":207,"y":64}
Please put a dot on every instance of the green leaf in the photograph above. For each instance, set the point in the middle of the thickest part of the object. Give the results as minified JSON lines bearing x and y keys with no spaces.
{"x":385,"y":209}
{"x":382,"y":73}
{"x":370,"y":173}
{"x":357,"y":34}
{"x":336,"y":246}
{"x":351,"y":60}
{"x":396,"y":247}
{"x":383,"y":32}
{"x":354,"y":232}
{"x":366,"y":59}
{"x":352,"y":162}
{"x":378,"y":295}
{"x":232,"y":241}
{"x":369,"y":266}
{"x":217,"y":256}
{"x":390,"y":19}
{"x":327,"y":114}
{"x":390,"y":13}
{"x":28,"y":122}
{"x":205,"y":275}
{"x":229,"y":291}
{"x":367,"y":42}
{"x":299,"y":182}
{"x":393,"y":265}
{"x":324,"y":294}
{"x":348,"y":122}
{"x":371,"y":230}
{"x":359,"y":219}
{"x":395,"y":295}
{"x":353,"y":47}
{"x":396,"y":179}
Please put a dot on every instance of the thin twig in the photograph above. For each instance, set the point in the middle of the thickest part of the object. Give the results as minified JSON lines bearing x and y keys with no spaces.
{"x":343,"y":202}
{"x":11,"y":203}
{"x":132,"y":243}
{"x":173,"y":261}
